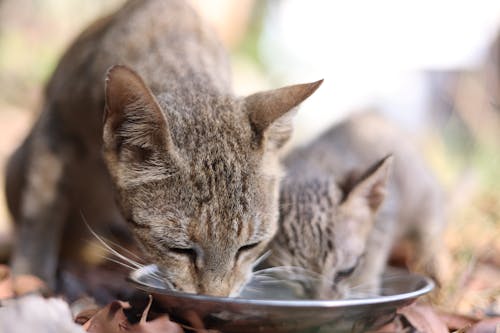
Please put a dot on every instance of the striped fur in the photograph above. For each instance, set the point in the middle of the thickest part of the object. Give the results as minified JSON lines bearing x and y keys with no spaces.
{"x":191,"y":167}
{"x":335,"y":214}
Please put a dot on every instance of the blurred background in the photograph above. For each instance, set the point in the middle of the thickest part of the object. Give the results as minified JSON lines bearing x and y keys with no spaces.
{"x":431,"y":66}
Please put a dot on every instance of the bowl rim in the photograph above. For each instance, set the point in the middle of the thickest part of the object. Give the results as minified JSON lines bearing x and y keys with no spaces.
{"x":427,"y":286}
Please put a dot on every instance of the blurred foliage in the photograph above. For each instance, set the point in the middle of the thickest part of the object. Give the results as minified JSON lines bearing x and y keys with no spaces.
{"x":33,"y":35}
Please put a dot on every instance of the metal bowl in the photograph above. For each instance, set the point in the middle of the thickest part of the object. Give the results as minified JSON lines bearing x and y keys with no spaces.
{"x":241,"y":315}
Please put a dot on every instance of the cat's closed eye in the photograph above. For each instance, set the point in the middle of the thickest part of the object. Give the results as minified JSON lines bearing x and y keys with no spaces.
{"x":188,"y":252}
{"x":344,"y":274}
{"x":246,"y":248}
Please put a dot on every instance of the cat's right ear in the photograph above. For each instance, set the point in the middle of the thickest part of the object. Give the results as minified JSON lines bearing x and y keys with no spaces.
{"x":370,"y":188}
{"x":271,"y":112}
{"x":132,"y":116}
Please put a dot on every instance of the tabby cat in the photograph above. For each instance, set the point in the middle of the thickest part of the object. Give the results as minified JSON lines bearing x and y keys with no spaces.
{"x":190,"y":168}
{"x":334,"y":222}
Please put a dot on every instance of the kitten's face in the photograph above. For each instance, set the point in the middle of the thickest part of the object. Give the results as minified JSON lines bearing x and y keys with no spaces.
{"x":198,"y":186}
{"x":324,"y":230}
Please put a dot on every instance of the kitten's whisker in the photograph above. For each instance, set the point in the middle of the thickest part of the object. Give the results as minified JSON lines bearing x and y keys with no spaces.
{"x":361,"y":286}
{"x":362,"y":295}
{"x":392,"y":277}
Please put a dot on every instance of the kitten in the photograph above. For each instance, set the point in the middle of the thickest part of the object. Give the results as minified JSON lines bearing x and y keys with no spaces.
{"x":193,"y":168}
{"x":334,"y":221}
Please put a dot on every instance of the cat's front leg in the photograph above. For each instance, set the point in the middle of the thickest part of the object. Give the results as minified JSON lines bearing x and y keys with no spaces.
{"x":42,"y":207}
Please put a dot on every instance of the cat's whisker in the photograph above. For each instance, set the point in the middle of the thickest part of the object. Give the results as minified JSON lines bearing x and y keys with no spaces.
{"x":252,"y":289}
{"x":299,"y":279}
{"x":286,"y":269}
{"x":167,"y":284}
{"x":158,"y":275}
{"x":139,"y":259}
{"x":118,"y":262}
{"x":111,"y":249}
{"x":275,"y":282}
{"x":162,"y":277}
{"x":260,"y":279}
{"x":163,"y":281}
{"x":260,"y":259}
{"x":130,"y":262}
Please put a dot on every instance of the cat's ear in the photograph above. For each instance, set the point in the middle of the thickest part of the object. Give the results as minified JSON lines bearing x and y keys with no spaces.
{"x":132,"y":115}
{"x":370,"y":187}
{"x":271,"y":112}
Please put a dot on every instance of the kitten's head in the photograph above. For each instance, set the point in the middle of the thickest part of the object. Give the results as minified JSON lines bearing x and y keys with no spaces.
{"x":324,"y":227}
{"x":197,"y":176}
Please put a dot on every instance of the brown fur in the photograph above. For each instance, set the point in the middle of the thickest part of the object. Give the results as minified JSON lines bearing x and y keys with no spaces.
{"x":193,"y":168}
{"x":330,"y":220}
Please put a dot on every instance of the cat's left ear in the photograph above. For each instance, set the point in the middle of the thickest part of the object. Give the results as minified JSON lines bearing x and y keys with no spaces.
{"x":371,"y":186}
{"x":271,"y":112}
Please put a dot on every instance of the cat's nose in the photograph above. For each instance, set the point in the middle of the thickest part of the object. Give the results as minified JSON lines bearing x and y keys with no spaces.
{"x":215,"y":289}
{"x":214,"y":284}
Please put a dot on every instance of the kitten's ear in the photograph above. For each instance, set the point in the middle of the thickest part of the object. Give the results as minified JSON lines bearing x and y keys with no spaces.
{"x":132,"y":115}
{"x":271,"y":112}
{"x":371,"y":186}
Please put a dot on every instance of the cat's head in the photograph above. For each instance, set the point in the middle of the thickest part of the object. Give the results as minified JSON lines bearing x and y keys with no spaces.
{"x":197,"y":176}
{"x":324,"y":227}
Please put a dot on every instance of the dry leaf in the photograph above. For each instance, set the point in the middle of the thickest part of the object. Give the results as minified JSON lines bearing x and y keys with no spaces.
{"x":423,"y":318}
{"x":112,"y":319}
{"x":25,"y":284}
{"x":456,"y":321}
{"x":490,"y":325}
{"x":20,"y":285}
{"x":84,"y":316}
{"x":6,"y":290}
{"x":109,"y":319}
{"x":395,"y":326}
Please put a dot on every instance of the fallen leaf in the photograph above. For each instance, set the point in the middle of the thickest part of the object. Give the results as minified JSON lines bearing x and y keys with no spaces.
{"x":83,"y":309}
{"x":20,"y":285}
{"x":25,"y":284}
{"x":394,"y":326}
{"x":456,"y":321}
{"x":423,"y":319}
{"x":112,"y":319}
{"x":6,"y":290}
{"x":160,"y":324}
{"x":490,"y":325}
